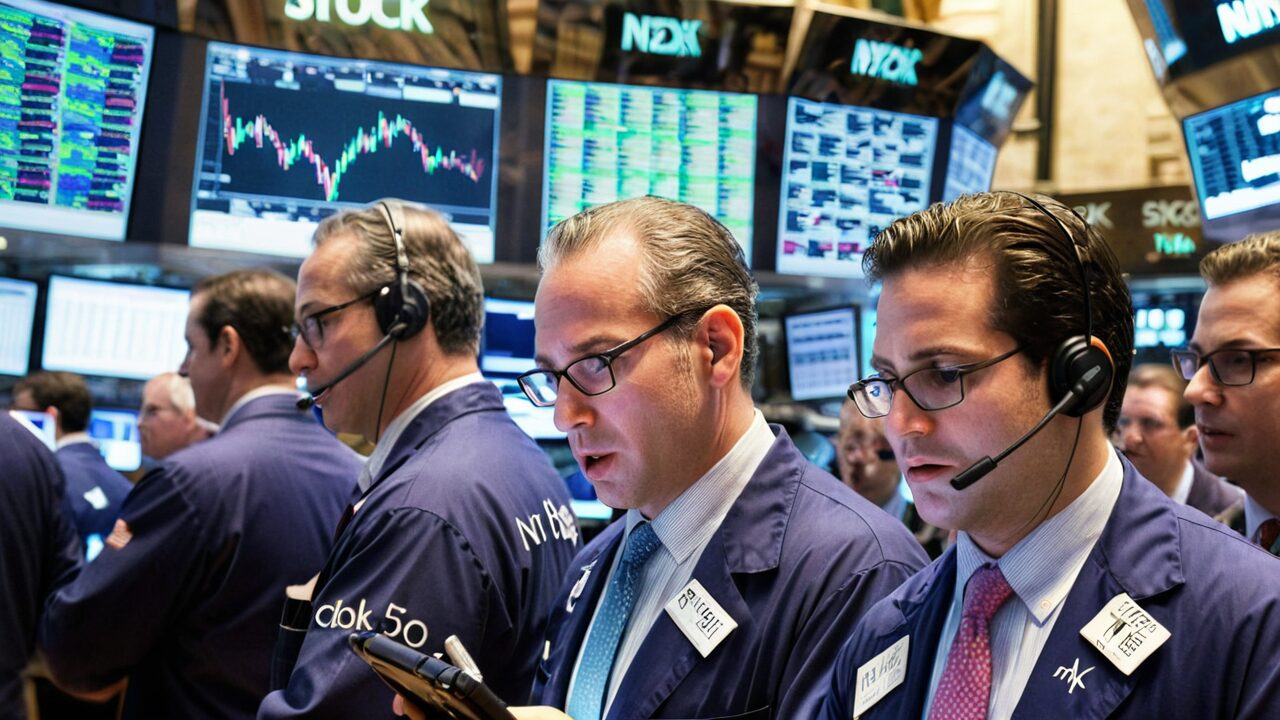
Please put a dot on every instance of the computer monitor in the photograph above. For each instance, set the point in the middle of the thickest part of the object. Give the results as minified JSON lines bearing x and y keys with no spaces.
{"x":41,"y":424}
{"x":94,"y":327}
{"x":18,"y":308}
{"x":287,"y":139}
{"x":822,"y":352}
{"x":610,"y":142}
{"x":1235,"y":162}
{"x":506,"y":352}
{"x":970,"y":164}
{"x":74,"y":87}
{"x":1162,"y":321}
{"x":116,"y":432}
{"x":847,"y":173}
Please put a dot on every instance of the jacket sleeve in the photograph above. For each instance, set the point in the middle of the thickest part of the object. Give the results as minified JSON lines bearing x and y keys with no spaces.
{"x":97,"y":628}
{"x":407,"y":574}
{"x":808,"y":677}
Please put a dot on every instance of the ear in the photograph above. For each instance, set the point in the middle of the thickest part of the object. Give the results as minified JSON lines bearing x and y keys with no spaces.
{"x":723,"y":335}
{"x":1192,"y":437}
{"x":229,"y":346}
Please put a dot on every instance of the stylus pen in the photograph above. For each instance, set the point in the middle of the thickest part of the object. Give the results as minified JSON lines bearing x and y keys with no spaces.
{"x":460,"y":657}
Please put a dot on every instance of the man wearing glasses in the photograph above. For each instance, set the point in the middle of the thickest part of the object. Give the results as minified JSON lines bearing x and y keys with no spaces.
{"x":184,"y":597}
{"x":739,"y":567}
{"x":1233,"y":366}
{"x":1075,"y":588}
{"x":461,"y":526}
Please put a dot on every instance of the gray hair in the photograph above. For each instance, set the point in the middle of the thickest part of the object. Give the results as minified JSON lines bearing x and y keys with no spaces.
{"x":690,"y":262}
{"x":438,"y":261}
{"x":178,"y":391}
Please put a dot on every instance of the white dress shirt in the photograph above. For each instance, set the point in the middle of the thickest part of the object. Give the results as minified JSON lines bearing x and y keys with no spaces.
{"x":684,"y":527}
{"x":1041,"y":569}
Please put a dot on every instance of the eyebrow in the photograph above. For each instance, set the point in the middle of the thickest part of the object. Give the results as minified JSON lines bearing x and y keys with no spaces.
{"x":1236,"y":344}
{"x":593,"y":345}
{"x":924,"y":353}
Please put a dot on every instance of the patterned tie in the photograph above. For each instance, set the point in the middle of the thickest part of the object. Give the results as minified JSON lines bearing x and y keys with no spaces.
{"x":589,"y":685}
{"x":965,"y":689}
{"x":1268,"y":536}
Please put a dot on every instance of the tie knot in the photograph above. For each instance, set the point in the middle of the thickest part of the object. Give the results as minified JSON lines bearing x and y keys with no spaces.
{"x":986,"y":592}
{"x":640,"y":545}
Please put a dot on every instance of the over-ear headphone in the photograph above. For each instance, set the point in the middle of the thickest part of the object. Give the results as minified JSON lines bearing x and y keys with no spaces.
{"x":402,"y":307}
{"x":1076,"y":357}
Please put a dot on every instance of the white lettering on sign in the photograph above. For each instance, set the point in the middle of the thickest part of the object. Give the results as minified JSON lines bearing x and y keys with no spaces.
{"x":560,"y":525}
{"x":885,"y":61}
{"x":1242,"y":19}
{"x":661,"y":35}
{"x":1096,"y":214}
{"x":1170,"y":213}
{"x":412,"y":15}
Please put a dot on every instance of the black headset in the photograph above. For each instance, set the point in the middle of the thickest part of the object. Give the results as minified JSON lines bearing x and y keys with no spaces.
{"x":402,"y":307}
{"x":1076,"y":358}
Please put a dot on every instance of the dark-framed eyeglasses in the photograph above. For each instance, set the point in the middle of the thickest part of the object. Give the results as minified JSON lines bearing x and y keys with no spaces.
{"x":930,"y":388}
{"x":1232,"y":367}
{"x":311,"y":329}
{"x":592,"y":375}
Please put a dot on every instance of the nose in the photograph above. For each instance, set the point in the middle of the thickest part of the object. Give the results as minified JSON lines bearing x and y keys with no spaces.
{"x":1130,"y":435}
{"x":301,"y":358}
{"x":1202,"y":390}
{"x":905,"y":418}
{"x":185,"y":367}
{"x":572,"y":408}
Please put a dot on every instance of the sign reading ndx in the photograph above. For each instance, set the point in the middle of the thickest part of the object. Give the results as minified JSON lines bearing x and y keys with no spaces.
{"x":412,"y":14}
{"x":885,"y":61}
{"x":659,"y":35}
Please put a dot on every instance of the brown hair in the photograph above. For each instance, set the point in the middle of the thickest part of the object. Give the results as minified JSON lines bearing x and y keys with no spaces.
{"x":1159,"y":375}
{"x":259,"y":305}
{"x":1254,"y":255}
{"x":63,"y":390}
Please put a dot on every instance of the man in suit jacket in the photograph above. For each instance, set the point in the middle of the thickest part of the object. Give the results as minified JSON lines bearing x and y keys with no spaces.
{"x":94,"y":490}
{"x":1233,"y":366}
{"x":761,"y":563}
{"x":1075,"y":589}
{"x":1156,"y":432}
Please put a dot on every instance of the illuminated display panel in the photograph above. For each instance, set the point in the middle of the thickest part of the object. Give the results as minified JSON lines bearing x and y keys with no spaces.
{"x":18,"y":308}
{"x":1235,"y":156}
{"x":94,"y":327}
{"x":611,"y":142}
{"x":73,"y":86}
{"x":507,"y":352}
{"x":847,"y":173}
{"x":970,"y":165}
{"x":287,"y":139}
{"x":822,"y":353}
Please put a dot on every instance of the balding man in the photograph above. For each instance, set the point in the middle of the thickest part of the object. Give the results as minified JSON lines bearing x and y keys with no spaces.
{"x":168,"y":420}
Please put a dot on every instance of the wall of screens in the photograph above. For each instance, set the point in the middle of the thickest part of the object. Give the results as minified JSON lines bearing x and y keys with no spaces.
{"x":18,"y":308}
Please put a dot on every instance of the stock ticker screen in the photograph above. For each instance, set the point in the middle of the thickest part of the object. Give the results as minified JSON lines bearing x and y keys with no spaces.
{"x":608,"y":142}
{"x":287,"y":139}
{"x":847,"y":173}
{"x":72,"y":90}
{"x":1235,"y":155}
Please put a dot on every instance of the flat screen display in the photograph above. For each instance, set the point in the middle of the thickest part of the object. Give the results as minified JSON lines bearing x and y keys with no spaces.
{"x":73,"y":87}
{"x":116,"y":433}
{"x":970,"y":164}
{"x":93,"y":327}
{"x":506,"y":352}
{"x":287,"y":139}
{"x":1235,"y":156}
{"x":847,"y":173}
{"x":822,"y":353}
{"x":612,"y":142}
{"x":1162,"y":321}
{"x":18,"y":308}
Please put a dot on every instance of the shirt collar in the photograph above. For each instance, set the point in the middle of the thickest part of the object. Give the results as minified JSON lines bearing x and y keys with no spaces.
{"x":254,"y":394}
{"x":1183,"y":491}
{"x":1254,"y":515}
{"x":73,"y":439}
{"x":692,"y":518}
{"x":1042,"y":566}
{"x":373,"y":467}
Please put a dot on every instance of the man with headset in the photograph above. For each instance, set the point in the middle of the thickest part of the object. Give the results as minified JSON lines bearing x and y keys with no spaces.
{"x":184,"y":598}
{"x":1075,"y":588}
{"x":462,"y":526}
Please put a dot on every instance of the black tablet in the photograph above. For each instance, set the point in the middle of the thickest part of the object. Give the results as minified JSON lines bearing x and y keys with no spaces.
{"x":440,"y":688}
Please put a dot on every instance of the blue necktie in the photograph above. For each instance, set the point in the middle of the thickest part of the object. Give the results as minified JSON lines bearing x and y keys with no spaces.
{"x":592,"y":680}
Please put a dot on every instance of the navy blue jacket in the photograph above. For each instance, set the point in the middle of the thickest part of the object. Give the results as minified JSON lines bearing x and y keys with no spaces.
{"x":39,"y":551}
{"x":1214,"y":592}
{"x":185,"y":598}
{"x":85,"y":470}
{"x":465,"y":531}
{"x":796,"y":562}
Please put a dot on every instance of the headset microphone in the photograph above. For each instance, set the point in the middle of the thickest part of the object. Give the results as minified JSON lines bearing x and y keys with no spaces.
{"x":306,"y":401}
{"x":1088,"y":385}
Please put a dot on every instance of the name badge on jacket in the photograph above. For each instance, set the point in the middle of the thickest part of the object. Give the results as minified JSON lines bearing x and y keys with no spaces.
{"x":700,"y":617}
{"x":1125,"y":633}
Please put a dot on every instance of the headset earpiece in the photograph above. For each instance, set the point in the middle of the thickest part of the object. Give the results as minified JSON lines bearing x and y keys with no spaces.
{"x":402,"y":308}
{"x":1071,"y":364}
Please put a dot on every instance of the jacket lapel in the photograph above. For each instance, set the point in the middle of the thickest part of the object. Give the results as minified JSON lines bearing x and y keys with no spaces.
{"x":1138,"y":554}
{"x":579,"y":606}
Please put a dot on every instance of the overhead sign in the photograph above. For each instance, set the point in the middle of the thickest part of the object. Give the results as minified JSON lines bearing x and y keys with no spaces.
{"x":1243,"y":19}
{"x":661,"y":35}
{"x":1151,"y":230}
{"x":411,"y":17}
{"x":885,"y":61}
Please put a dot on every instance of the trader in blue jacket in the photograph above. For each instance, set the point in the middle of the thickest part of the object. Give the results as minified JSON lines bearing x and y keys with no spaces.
{"x":39,"y":551}
{"x":184,"y":599}
{"x":462,"y":526}
{"x":94,"y":490}
{"x":1076,"y":588}
{"x":739,"y":568}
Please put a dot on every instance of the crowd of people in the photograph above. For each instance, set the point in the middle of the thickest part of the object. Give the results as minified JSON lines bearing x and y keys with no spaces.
{"x":1018,"y":522}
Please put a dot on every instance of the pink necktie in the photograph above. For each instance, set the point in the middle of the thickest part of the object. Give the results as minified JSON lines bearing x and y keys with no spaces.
{"x":1267,"y":535}
{"x":965,"y":689}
